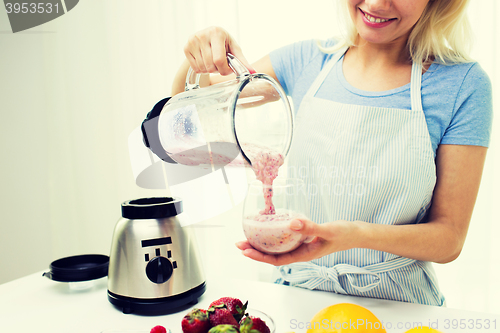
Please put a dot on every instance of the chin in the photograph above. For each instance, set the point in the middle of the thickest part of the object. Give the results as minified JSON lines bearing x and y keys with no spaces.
{"x":373,"y":39}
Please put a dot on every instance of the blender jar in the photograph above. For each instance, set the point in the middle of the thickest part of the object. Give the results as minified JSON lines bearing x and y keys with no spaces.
{"x":215,"y":125}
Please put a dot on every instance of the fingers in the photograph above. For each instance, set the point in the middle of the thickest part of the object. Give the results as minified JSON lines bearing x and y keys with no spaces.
{"x":243,"y":245}
{"x":309,"y":239}
{"x":272,"y":259}
{"x":206,"y":58}
{"x":219,"y":57}
{"x":194,"y":54}
{"x":248,"y":251}
{"x":321,"y":239}
{"x":307,"y":227}
{"x":207,"y":51}
{"x":305,"y":252}
{"x":196,"y":62}
{"x":236,"y":51}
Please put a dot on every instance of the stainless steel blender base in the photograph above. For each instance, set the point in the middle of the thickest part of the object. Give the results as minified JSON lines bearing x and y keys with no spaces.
{"x":162,"y":305}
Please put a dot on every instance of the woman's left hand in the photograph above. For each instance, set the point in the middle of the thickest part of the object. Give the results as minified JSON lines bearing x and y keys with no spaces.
{"x":326,"y":238}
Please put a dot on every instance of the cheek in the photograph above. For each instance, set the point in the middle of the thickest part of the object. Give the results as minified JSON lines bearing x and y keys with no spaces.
{"x":352,"y":6}
{"x":415,"y":9}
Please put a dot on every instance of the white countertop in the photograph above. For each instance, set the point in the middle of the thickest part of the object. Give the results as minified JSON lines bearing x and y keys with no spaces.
{"x":37,"y":304}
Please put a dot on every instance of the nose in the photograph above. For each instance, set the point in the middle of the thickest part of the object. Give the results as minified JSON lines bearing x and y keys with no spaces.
{"x":378,"y":5}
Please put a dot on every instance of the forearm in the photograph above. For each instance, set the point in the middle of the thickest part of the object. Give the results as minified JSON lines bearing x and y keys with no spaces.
{"x":434,"y":241}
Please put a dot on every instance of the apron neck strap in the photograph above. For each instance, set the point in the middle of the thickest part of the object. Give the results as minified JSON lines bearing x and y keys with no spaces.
{"x":325,"y":71}
{"x":415,"y":85}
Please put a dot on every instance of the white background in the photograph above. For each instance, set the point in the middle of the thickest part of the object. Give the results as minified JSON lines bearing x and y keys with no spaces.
{"x":72,"y":91}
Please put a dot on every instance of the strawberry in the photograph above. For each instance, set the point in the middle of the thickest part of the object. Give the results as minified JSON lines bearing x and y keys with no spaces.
{"x":223,"y":329}
{"x":251,"y":324}
{"x":221,"y":316}
{"x":195,"y":321}
{"x":234,"y":305}
{"x":158,"y":329}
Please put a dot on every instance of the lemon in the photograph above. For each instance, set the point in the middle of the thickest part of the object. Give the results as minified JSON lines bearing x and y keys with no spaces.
{"x":423,"y":329}
{"x":345,"y":317}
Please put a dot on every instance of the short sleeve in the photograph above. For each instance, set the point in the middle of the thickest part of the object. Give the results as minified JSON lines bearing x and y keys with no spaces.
{"x":289,"y":62}
{"x":473,"y":111}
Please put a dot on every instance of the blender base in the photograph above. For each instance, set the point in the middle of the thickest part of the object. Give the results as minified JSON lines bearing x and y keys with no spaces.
{"x":162,"y":305}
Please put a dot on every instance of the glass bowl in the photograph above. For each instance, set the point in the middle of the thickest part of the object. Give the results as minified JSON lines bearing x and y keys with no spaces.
{"x":270,"y":232}
{"x":265,"y":317}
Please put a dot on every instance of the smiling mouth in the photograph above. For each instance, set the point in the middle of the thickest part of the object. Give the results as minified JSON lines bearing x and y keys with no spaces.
{"x":375,"y":19}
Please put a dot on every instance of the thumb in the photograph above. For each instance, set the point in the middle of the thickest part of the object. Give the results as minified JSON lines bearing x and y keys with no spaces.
{"x":236,"y":51}
{"x":306,"y":227}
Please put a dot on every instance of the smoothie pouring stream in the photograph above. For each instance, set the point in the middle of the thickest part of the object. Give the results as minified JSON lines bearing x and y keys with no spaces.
{"x":265,"y":164}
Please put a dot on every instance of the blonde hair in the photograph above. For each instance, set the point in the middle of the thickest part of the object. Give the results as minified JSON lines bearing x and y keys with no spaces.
{"x":442,"y":34}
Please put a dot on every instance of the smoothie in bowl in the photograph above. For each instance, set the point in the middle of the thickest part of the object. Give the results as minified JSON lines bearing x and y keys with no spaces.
{"x":271,"y":234}
{"x":267,"y":230}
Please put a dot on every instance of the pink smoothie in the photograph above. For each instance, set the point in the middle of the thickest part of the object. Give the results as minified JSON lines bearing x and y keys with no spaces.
{"x":265,"y":164}
{"x":271,"y":234}
{"x":203,"y":155}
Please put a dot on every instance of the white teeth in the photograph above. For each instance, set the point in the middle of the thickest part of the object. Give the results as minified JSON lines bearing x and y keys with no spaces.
{"x":375,"y":20}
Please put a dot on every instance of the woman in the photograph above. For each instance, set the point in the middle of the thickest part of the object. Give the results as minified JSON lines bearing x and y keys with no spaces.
{"x":393,"y":125}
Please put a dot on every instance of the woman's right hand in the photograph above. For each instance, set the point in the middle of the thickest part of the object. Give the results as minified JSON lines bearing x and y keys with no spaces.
{"x":206,"y":51}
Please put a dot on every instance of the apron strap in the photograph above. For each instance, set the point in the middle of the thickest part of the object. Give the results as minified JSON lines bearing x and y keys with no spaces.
{"x":324,"y":72}
{"x":415,"y":85}
{"x":310,"y":276}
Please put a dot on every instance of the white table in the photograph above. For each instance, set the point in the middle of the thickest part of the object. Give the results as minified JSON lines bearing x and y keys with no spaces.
{"x":37,"y":304}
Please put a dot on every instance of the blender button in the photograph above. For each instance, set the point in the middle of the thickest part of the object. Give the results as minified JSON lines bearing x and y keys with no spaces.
{"x":169,"y":254}
{"x":146,"y":256}
{"x":174,"y":264}
{"x":157,"y":252}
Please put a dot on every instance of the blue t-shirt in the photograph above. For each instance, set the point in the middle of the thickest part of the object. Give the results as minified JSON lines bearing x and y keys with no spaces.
{"x":457,"y":99}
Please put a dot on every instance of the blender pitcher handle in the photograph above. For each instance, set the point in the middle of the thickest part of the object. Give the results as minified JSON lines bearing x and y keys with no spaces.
{"x":190,"y":77}
{"x":237,"y":66}
{"x":193,"y":79}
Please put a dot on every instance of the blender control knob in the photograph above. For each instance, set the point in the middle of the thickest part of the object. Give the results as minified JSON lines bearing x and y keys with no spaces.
{"x":159,"y":270}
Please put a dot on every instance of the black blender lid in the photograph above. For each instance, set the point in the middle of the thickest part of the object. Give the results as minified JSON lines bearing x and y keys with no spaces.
{"x":79,"y":268}
{"x":151,"y":208}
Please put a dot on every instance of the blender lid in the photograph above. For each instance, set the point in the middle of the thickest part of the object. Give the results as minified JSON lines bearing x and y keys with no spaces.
{"x":151,"y":208}
{"x":79,"y":268}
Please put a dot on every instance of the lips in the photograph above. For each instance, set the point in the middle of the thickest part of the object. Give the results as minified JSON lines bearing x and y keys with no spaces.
{"x":376,"y":21}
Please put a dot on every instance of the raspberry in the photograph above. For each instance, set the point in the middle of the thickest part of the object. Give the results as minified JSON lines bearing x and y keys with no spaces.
{"x":158,"y":329}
